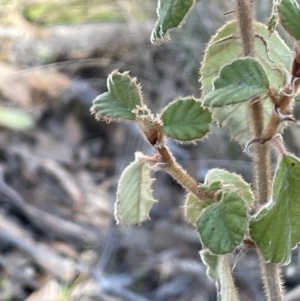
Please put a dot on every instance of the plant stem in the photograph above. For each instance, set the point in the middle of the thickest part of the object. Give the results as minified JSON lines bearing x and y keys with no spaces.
{"x":262,"y":158}
{"x":262,"y":171}
{"x":273,"y":285}
{"x":227,"y":290}
{"x":181,"y":176}
{"x":245,"y":19}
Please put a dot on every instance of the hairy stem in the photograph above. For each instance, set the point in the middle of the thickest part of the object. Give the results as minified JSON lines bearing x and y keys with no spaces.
{"x":181,"y":176}
{"x":227,"y":289}
{"x":271,"y":272}
{"x":262,"y":169}
{"x":245,"y":18}
{"x":272,"y":280}
{"x":262,"y":158}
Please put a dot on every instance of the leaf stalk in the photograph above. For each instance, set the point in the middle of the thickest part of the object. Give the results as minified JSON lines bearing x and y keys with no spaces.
{"x":181,"y":176}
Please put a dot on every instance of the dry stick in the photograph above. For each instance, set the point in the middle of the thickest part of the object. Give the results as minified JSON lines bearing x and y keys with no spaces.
{"x":270,"y":271}
{"x":181,"y":176}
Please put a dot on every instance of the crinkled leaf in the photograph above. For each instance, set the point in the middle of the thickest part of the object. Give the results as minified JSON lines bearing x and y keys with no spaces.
{"x":170,"y":14}
{"x":15,"y":119}
{"x":241,"y":80}
{"x":275,"y":229}
{"x":211,"y":262}
{"x":231,"y":181}
{"x":223,"y":49}
{"x":289,"y":16}
{"x":134,"y":196}
{"x":222,"y":225}
{"x":185,"y":120}
{"x":123,"y":96}
{"x":194,"y":206}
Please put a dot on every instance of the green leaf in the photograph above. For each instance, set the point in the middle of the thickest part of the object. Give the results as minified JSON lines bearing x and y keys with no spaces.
{"x":231,"y":181}
{"x":194,"y":206}
{"x":211,"y":261}
{"x":134,"y":196}
{"x":289,"y":16}
{"x":170,"y":13}
{"x":226,"y":47}
{"x":185,"y":120}
{"x":15,"y":119}
{"x":124,"y":96}
{"x":273,"y":21}
{"x":217,"y":179}
{"x":241,"y":80}
{"x":275,"y":229}
{"x":222,"y":225}
{"x":213,"y":186}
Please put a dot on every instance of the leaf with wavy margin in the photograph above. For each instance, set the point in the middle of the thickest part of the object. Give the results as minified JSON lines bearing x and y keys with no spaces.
{"x":134,"y":195}
{"x":185,"y":120}
{"x":225,"y":47}
{"x":123,"y":97}
{"x":170,"y":14}
{"x":275,"y":229}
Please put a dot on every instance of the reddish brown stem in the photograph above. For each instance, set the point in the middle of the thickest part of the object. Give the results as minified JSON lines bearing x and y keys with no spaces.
{"x":181,"y":176}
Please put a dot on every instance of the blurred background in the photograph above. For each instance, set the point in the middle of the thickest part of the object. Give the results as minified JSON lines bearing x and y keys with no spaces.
{"x":59,"y":167}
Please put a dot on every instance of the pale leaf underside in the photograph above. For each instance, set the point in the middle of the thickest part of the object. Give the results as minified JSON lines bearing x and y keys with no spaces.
{"x":134,"y":196}
{"x":211,"y":262}
{"x":231,"y":181}
{"x":225,"y":47}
